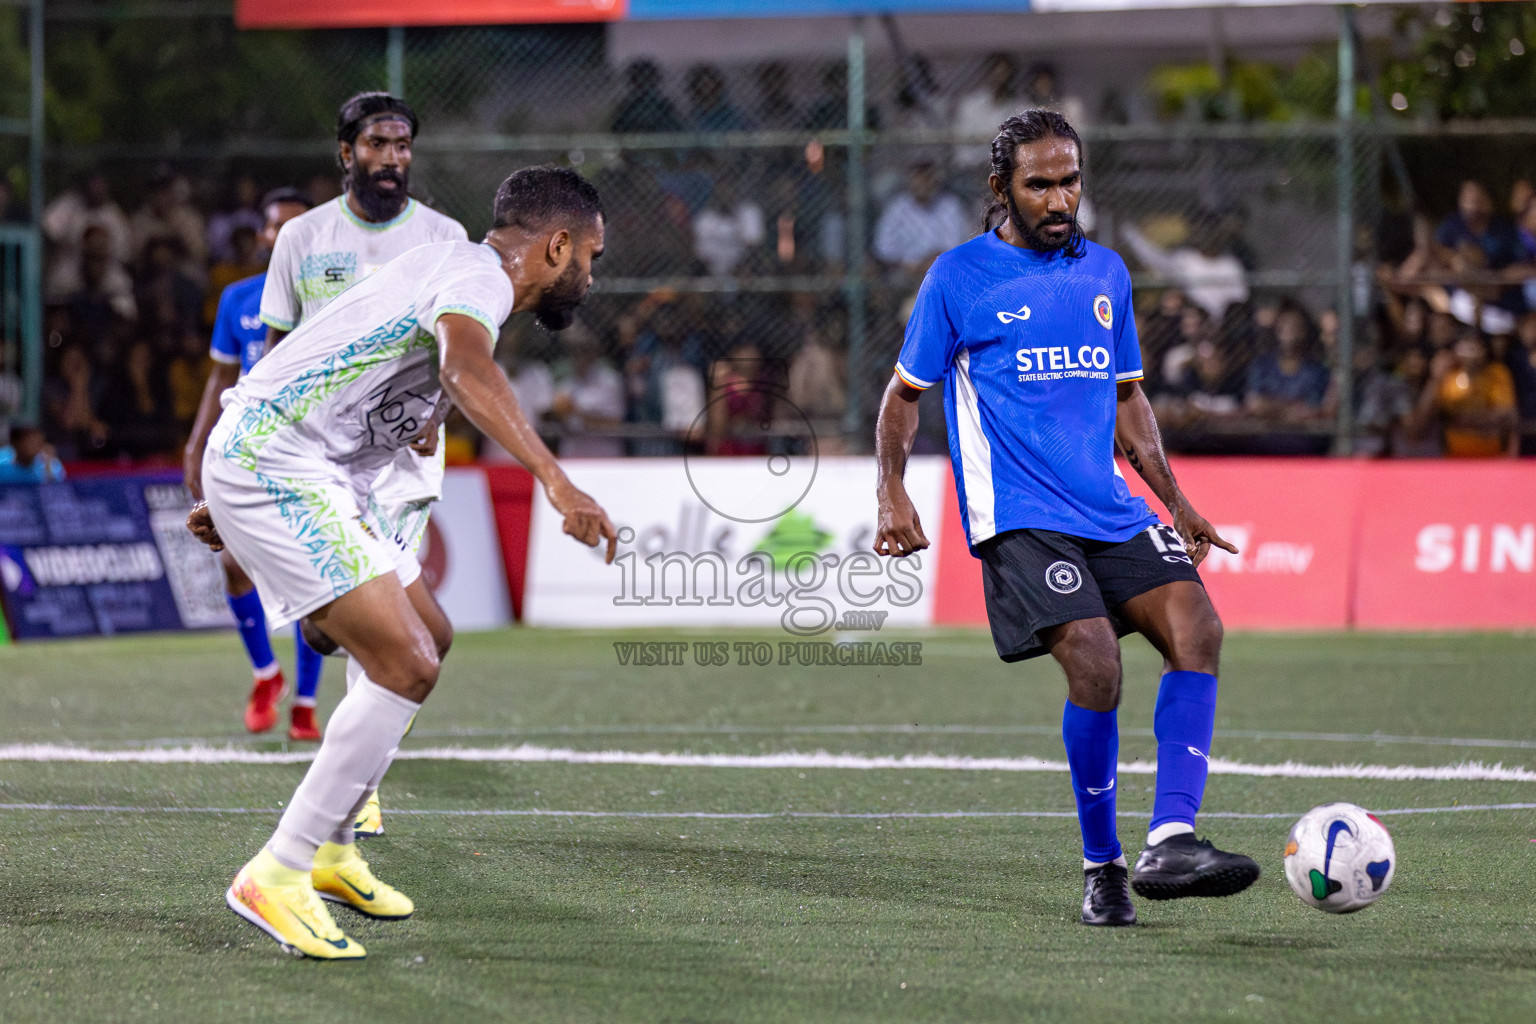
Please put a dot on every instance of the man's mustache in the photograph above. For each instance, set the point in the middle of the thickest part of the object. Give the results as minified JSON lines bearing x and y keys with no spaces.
{"x":387,"y":175}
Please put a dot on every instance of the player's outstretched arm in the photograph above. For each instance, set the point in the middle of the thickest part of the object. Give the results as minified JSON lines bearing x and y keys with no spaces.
{"x":898,"y":532}
{"x":274,"y":337}
{"x":220,"y":379}
{"x":1138,"y":437}
{"x":477,"y":385}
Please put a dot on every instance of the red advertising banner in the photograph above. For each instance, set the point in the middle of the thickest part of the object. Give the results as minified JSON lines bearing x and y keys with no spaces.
{"x":1447,"y":546}
{"x":1328,"y":544}
{"x":375,"y":13}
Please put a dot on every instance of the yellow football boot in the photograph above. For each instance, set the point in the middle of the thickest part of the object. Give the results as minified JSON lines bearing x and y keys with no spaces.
{"x":370,"y":820}
{"x":282,"y":902}
{"x":342,"y":876}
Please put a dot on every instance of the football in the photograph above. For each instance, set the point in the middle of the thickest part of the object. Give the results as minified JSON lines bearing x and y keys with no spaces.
{"x":1339,"y":858}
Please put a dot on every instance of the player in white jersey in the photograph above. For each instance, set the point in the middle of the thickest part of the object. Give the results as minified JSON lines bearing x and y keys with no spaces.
{"x":323,"y":253}
{"x":288,"y":473}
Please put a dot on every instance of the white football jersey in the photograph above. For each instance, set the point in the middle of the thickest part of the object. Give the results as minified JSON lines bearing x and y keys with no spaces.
{"x":357,"y":383}
{"x":324,"y":252}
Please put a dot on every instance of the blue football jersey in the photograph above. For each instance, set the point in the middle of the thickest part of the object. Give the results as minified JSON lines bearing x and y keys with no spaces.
{"x":1029,"y":347}
{"x":239,"y":336}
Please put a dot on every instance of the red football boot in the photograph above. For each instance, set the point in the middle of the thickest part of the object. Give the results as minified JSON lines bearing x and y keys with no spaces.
{"x":301,"y":725}
{"x":261,"y":709}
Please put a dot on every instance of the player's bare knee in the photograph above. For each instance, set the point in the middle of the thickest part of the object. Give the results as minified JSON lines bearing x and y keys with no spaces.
{"x":419,"y":675}
{"x":1093,"y":673}
{"x":1197,"y":646}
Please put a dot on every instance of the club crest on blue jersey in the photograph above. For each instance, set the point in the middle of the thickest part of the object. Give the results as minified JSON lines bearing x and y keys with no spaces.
{"x":1104,"y":311}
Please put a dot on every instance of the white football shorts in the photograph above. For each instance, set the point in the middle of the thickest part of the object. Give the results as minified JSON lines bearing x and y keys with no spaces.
{"x":298,"y":527}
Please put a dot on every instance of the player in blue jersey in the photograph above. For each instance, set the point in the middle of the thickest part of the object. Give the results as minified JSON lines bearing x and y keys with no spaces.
{"x":239,"y":338}
{"x":1029,"y":330}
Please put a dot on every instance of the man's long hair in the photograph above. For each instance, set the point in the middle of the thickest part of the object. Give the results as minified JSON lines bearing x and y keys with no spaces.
{"x":1030,"y":126}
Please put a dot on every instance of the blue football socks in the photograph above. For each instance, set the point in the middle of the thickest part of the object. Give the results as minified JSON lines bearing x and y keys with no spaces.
{"x":1092,"y":739}
{"x":1184,"y":722}
{"x":253,"y":632}
{"x":310,"y":663}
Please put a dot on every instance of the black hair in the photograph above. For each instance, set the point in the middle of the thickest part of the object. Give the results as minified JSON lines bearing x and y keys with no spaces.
{"x":534,"y":197}
{"x":1025,"y":127}
{"x":349,"y":121}
{"x":287,"y":195}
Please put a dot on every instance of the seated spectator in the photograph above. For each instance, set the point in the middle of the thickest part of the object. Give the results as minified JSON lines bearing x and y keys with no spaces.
{"x":1204,"y":386}
{"x":818,"y":385}
{"x":102,"y":308}
{"x":66,"y":221}
{"x":918,"y":224}
{"x":169,"y":300}
{"x":982,"y":110}
{"x":241,"y":212}
{"x":136,"y":406}
{"x":1288,"y":385}
{"x":169,"y":214}
{"x":245,"y":259}
{"x":1210,"y":275}
{"x":1476,"y":234}
{"x":1414,"y":440}
{"x":727,"y":228}
{"x":666,"y":387}
{"x":29,"y":458}
{"x":589,"y":398}
{"x":776,"y":110}
{"x":1383,"y":402}
{"x":1472,"y":399}
{"x":830,"y":108}
{"x":712,"y":110}
{"x":1159,"y":329}
{"x":70,"y":403}
{"x":1040,"y":90}
{"x":739,"y":416}
{"x":644,"y":107}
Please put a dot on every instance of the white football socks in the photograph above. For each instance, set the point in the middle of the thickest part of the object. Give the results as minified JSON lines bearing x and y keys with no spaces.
{"x":361,"y":740}
{"x":1167,"y":830}
{"x":1091,"y":865}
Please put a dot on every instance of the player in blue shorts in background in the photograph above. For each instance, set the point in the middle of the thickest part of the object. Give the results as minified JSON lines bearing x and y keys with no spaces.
{"x":239,"y":338}
{"x":1029,"y":329}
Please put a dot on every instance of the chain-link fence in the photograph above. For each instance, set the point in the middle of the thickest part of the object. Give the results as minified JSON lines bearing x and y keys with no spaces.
{"x":769,"y":220}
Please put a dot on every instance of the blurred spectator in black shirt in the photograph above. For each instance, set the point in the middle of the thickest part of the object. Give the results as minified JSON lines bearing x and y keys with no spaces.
{"x":137,"y":405}
{"x":644,"y":107}
{"x":71,"y":400}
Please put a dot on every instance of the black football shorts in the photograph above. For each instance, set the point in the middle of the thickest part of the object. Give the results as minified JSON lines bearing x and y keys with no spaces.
{"x":1036,"y":579}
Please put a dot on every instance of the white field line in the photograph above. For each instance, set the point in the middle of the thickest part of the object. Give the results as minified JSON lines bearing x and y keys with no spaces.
{"x":1472,"y":771}
{"x":683,"y":729}
{"x":537,"y":812}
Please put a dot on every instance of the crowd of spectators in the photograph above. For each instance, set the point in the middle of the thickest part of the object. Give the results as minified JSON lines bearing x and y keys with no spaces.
{"x":1443,"y":363}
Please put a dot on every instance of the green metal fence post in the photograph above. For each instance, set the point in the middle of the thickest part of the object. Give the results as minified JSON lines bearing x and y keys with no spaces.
{"x":394,"y":59}
{"x":855,"y":287}
{"x":32,"y":254}
{"x":1344,"y":371}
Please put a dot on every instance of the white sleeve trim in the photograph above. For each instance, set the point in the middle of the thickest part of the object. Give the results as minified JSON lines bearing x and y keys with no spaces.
{"x":1130,"y":375}
{"x":223,"y":357}
{"x":913,"y":379}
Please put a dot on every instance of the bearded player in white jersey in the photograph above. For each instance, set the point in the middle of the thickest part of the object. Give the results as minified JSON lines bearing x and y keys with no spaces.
{"x":289,"y":473}
{"x":327,"y":250}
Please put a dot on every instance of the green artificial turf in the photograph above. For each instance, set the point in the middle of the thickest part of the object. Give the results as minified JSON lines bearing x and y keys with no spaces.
{"x":119,"y":915}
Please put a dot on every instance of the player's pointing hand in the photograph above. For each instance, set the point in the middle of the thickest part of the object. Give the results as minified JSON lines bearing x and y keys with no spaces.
{"x":584,"y":518}
{"x":1198,"y":534}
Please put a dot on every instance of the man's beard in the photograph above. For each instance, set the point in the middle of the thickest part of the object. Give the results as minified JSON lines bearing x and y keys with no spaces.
{"x":556,"y":309}
{"x":379,"y":205}
{"x":1034,"y":237}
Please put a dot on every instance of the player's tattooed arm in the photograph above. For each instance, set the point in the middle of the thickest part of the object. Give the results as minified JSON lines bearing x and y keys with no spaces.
{"x":474,"y":382}
{"x":899,"y":532}
{"x":1136,"y":435}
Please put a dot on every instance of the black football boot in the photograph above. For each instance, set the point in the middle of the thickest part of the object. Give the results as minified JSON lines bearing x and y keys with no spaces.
{"x":1107,"y":897}
{"x":1181,"y":866}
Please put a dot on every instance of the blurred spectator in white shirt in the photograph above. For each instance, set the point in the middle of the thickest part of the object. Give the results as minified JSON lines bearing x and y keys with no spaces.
{"x":726,"y":229}
{"x":918,"y":224}
{"x":1210,"y":278}
{"x":982,"y":110}
{"x":64,"y":224}
{"x":589,"y":398}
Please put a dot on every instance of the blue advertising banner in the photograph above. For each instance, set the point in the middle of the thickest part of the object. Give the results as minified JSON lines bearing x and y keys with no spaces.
{"x":104,"y":555}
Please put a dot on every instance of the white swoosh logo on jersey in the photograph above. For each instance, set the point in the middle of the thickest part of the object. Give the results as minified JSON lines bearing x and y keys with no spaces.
{"x":1101,"y":792}
{"x":1008,"y":318}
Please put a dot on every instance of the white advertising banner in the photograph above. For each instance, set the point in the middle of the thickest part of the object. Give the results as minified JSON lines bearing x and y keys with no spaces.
{"x":461,"y":556}
{"x":770,"y":541}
